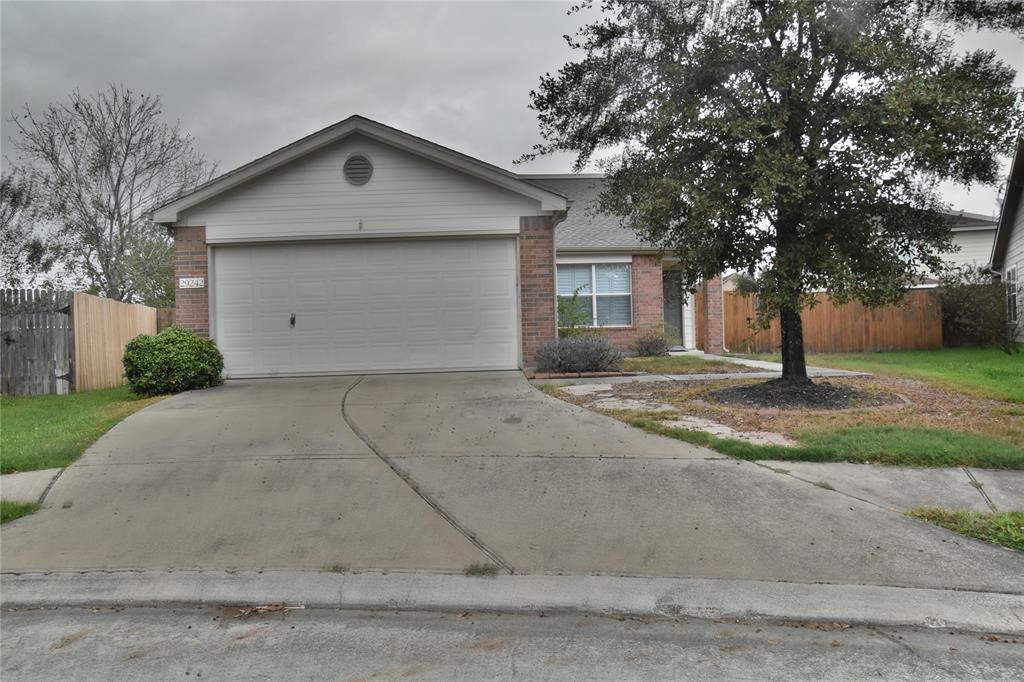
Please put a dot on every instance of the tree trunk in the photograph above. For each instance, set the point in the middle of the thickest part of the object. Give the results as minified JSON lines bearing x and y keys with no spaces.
{"x":794,"y":364}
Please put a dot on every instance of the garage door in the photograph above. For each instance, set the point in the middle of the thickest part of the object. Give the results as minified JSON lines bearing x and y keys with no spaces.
{"x":384,"y":306}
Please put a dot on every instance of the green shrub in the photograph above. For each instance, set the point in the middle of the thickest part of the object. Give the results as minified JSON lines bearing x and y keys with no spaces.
{"x":974,"y":310}
{"x":174,"y":360}
{"x":650,"y":344}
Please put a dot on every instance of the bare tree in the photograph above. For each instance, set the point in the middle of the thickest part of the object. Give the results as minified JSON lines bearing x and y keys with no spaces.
{"x":101,"y":164}
{"x":24,"y":258}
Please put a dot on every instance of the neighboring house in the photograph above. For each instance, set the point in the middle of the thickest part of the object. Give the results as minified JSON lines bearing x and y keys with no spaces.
{"x":361,"y":248}
{"x":974,"y":234}
{"x":1007,"y":260}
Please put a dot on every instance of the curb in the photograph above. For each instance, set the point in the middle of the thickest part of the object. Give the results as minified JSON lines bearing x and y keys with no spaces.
{"x":603,"y":595}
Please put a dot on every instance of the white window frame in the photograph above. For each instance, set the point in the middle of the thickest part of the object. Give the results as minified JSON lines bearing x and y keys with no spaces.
{"x":594,"y":294}
{"x":1012,"y":295}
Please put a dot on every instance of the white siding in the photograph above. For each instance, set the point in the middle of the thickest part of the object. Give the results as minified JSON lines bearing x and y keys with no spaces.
{"x":1015,"y":257}
{"x":975,"y":247}
{"x":408,"y":195}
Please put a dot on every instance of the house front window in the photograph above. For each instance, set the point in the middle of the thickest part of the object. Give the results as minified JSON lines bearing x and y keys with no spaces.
{"x":603,"y":291}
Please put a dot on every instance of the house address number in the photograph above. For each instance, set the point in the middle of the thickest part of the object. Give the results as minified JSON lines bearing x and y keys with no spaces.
{"x":191,"y":282}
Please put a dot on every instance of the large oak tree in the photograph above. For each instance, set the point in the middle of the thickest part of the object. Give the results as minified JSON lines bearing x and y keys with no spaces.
{"x":802,"y":140}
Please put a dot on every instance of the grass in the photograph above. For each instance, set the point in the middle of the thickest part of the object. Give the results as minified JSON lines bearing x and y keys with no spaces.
{"x":477,"y":569}
{"x":891,"y":445}
{"x":999,"y":528}
{"x":680,"y":364}
{"x":46,"y":431}
{"x":15,"y":510}
{"x":550,"y":389}
{"x":982,"y":372}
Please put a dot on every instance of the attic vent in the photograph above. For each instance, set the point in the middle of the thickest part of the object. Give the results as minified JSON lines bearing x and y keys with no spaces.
{"x":358,"y":169}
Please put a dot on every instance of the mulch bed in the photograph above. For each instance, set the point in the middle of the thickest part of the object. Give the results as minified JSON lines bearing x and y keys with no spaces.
{"x":782,"y":394}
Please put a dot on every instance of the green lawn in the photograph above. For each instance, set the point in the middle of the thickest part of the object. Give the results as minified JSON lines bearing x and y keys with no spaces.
{"x":999,"y":528}
{"x":41,"y":432}
{"x":680,"y":364}
{"x":15,"y":510}
{"x":892,"y":445}
{"x":983,"y":372}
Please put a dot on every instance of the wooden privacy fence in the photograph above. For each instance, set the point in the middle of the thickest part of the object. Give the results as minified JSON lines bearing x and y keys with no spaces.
{"x":914,"y":324}
{"x":37,"y":342}
{"x":57,"y":342}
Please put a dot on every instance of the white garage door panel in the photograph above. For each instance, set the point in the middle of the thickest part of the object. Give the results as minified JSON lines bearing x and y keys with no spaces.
{"x":366,"y":307}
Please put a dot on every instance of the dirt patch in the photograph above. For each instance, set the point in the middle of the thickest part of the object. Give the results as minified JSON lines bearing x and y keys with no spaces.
{"x":822,"y":395}
{"x":928,"y":406}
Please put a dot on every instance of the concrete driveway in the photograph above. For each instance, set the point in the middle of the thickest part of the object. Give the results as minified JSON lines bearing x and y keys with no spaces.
{"x":434,"y":472}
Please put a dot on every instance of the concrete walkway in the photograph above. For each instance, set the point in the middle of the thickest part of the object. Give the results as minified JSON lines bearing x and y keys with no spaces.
{"x":770,"y":370}
{"x":903,"y":488}
{"x":435,"y":472}
{"x":26,"y":486}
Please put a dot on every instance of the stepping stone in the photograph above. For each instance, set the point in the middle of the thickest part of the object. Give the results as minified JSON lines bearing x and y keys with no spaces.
{"x":587,"y":389}
{"x":630,"y":404}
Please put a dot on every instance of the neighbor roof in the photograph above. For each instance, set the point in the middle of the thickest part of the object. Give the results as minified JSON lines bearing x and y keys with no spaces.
{"x":549,"y":200}
{"x":585,"y":228}
{"x":1011,"y":205}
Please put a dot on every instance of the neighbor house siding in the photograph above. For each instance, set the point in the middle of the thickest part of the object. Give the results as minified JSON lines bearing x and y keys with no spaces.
{"x":191,"y":306}
{"x":407,"y":195}
{"x":975,"y":247}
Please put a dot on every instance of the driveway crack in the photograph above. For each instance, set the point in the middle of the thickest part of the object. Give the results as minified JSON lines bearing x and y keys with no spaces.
{"x":408,"y":480}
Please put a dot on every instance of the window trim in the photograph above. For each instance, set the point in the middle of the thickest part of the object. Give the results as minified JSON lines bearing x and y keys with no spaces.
{"x":595,"y":294}
{"x":1013,"y":290}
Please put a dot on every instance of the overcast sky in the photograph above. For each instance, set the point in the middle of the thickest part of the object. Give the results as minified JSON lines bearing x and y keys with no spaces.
{"x":246,"y":78}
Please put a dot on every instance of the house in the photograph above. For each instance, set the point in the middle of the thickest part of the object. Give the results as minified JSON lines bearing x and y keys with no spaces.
{"x":361,"y":248}
{"x":973,"y":236}
{"x":1007,"y":260}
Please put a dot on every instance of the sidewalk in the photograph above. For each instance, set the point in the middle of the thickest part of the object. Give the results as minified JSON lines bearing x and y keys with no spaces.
{"x":771,"y":370}
{"x":903,"y":488}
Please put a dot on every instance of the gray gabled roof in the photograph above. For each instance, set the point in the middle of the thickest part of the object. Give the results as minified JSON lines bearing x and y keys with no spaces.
{"x":585,"y":228}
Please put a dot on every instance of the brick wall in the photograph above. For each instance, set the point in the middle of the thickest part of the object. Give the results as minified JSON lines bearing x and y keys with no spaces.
{"x":191,"y":306}
{"x":713,"y":327}
{"x":648,"y":308}
{"x":536,"y":283}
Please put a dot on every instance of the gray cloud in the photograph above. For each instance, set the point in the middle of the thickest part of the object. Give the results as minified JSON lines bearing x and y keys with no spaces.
{"x":246,"y":78}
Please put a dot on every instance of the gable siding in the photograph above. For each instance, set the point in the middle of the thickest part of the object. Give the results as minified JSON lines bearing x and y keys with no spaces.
{"x":310,"y":199}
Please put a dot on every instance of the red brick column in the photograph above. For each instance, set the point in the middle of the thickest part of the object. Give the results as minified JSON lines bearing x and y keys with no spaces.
{"x":714,"y":329}
{"x":537,"y":305}
{"x":191,"y":306}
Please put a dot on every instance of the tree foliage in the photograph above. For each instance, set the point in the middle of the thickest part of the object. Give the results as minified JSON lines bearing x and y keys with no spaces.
{"x":23,"y":253}
{"x":101,"y":164}
{"x":801,"y":139}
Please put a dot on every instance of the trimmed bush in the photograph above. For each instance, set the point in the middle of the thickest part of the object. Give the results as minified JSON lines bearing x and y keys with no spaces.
{"x":174,"y":360}
{"x":974,"y":310}
{"x":582,"y":353}
{"x":650,"y":344}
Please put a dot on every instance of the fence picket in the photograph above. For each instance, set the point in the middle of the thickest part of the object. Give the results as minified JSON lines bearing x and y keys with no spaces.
{"x":914,"y":324}
{"x":53,"y":342}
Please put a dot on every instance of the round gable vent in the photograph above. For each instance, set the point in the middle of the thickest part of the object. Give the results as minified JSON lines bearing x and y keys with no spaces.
{"x":358,"y":169}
